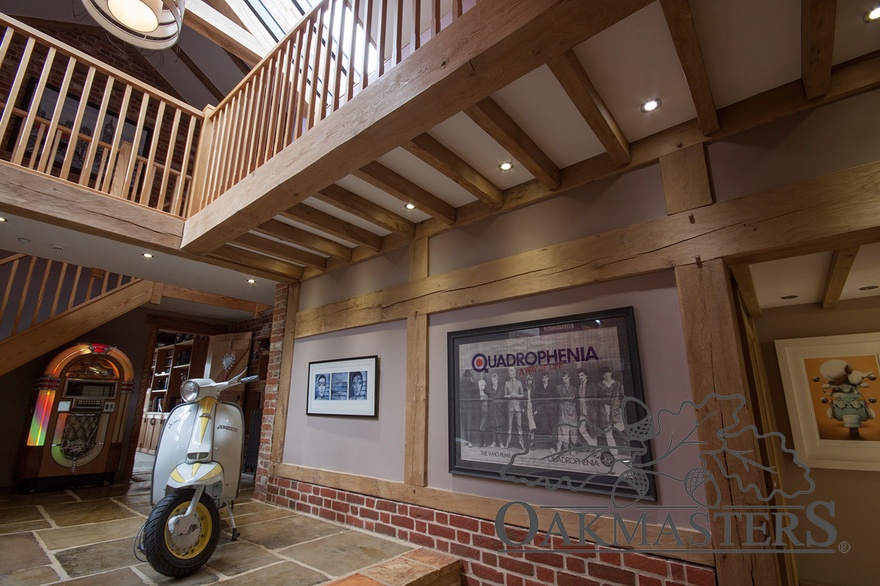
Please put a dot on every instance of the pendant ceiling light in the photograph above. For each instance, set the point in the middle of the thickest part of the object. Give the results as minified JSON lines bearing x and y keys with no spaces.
{"x":151,"y":24}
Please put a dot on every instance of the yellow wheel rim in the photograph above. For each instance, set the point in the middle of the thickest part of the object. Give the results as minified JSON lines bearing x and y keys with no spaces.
{"x":206,"y":529}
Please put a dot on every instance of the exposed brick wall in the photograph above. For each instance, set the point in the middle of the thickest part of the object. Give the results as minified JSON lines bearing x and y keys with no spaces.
{"x":474,"y":541}
{"x":270,"y":390}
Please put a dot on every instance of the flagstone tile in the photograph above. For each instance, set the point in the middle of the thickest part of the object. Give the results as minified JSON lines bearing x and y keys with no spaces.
{"x":288,"y":531}
{"x":36,"y":576}
{"x":286,"y":573}
{"x":76,"y":535}
{"x":232,"y":558}
{"x":20,"y":551}
{"x":343,"y":553}
{"x":78,"y":513}
{"x":99,"y":557}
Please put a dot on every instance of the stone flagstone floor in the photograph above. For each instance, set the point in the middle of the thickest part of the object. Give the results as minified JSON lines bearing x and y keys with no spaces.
{"x":86,"y":536}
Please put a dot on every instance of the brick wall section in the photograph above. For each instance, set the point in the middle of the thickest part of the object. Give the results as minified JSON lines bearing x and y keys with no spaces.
{"x":270,"y":390}
{"x":472,"y":540}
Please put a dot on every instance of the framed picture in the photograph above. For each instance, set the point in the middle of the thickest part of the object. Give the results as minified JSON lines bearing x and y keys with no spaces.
{"x":343,"y":387}
{"x":831,"y":389}
{"x":551,"y":403}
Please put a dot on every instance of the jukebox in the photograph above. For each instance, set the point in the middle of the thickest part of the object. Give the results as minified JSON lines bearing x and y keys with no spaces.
{"x":75,"y":435}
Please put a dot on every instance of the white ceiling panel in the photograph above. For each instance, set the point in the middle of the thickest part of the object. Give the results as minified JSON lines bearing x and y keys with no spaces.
{"x":865,"y":272}
{"x":634,"y":61}
{"x":379,"y":197}
{"x":539,"y":105}
{"x":749,"y":46}
{"x":408,"y":165}
{"x":853,"y":37}
{"x":467,"y":140}
{"x":803,"y":276}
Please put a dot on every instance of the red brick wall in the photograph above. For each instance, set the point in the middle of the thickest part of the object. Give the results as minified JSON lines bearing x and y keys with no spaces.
{"x":472,"y":540}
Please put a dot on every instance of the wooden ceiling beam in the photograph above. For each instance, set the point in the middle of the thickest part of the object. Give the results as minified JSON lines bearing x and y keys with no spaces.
{"x":187,"y":294}
{"x":818,"y":18}
{"x":274,"y":248}
{"x":684,"y":36}
{"x":366,"y":210}
{"x":742,"y":274}
{"x":251,"y":23}
{"x":574,"y":80}
{"x":259,"y":265}
{"x":841,"y":263}
{"x":304,"y":238}
{"x":323,"y":221}
{"x":197,"y":71}
{"x":434,"y":153}
{"x":492,"y":44}
{"x":498,"y":124}
{"x":212,"y":25}
{"x":383,"y":178}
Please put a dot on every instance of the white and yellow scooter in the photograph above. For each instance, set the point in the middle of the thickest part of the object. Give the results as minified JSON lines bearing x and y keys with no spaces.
{"x":197,"y":472}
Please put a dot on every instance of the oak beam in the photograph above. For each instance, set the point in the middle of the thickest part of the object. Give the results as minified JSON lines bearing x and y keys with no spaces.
{"x":282,"y":401}
{"x":366,"y":210}
{"x":574,"y":80}
{"x":304,"y":238}
{"x":383,"y":178}
{"x":273,"y":268}
{"x":498,"y":124}
{"x":433,"y":152}
{"x":324,"y":222}
{"x":716,"y":366}
{"x":840,"y":207}
{"x":841,"y":262}
{"x":685,"y":176}
{"x":187,"y":294}
{"x":212,"y":25}
{"x":262,"y":245}
{"x":684,"y":36}
{"x":818,"y":18}
{"x":742,"y":274}
{"x":494,"y":43}
{"x":43,"y":198}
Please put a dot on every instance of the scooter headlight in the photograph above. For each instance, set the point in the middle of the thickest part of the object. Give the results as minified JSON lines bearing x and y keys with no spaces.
{"x":189,"y":391}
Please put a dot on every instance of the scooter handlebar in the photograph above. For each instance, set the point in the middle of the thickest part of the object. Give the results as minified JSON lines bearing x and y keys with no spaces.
{"x":249,"y":379}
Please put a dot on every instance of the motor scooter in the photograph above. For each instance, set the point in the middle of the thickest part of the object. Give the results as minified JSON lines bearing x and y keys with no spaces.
{"x":196,"y":473}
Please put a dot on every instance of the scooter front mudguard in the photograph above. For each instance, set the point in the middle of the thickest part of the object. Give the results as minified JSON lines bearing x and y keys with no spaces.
{"x":173,"y":445}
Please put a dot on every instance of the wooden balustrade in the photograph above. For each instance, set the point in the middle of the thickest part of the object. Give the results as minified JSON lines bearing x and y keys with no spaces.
{"x":70,"y":116}
{"x":337,"y":50}
{"x":62,"y":109}
{"x":37,"y":290}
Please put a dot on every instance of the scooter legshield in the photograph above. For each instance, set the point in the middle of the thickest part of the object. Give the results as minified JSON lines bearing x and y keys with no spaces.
{"x":173,"y":444}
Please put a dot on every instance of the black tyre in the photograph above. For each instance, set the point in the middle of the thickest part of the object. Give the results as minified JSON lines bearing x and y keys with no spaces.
{"x":178,"y":556}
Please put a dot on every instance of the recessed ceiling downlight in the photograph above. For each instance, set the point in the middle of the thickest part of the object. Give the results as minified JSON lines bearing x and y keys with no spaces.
{"x":873,"y":15}
{"x":651,"y":105}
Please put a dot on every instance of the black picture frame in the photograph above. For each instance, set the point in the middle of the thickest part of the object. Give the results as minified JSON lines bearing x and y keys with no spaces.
{"x":350,"y":387}
{"x":522,"y":429}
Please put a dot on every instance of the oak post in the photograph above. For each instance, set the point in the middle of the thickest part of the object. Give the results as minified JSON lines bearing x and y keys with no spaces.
{"x":716,"y":365}
{"x":415,"y":468}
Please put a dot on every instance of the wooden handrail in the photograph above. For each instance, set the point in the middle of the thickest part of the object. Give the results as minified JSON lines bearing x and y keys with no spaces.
{"x":38,"y":290}
{"x":140,"y":143}
{"x":314,"y":70}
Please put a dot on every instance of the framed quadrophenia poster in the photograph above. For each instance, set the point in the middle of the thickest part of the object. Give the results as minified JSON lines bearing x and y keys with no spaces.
{"x":555,"y":402}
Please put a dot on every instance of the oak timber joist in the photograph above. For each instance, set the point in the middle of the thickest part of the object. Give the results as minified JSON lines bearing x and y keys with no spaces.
{"x":43,"y":198}
{"x":304,"y":238}
{"x":491,"y":45}
{"x":366,"y":210}
{"x":818,"y":18}
{"x":847,"y":80}
{"x":324,"y":222}
{"x":836,"y":207}
{"x":684,"y":36}
{"x":205,"y":298}
{"x":382,"y":177}
{"x":841,"y":262}
{"x":213,"y":25}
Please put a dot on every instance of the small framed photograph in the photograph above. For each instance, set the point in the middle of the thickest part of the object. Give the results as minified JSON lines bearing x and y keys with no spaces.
{"x":343,"y":387}
{"x":831,"y":391}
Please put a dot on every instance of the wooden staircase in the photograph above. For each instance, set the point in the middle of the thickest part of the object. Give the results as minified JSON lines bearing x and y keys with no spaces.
{"x":49,"y":303}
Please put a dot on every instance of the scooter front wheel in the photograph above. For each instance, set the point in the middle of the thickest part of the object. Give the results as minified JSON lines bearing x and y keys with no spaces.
{"x":184,"y":551}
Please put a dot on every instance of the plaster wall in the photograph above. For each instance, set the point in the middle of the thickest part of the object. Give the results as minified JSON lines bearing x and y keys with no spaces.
{"x":856,"y":511}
